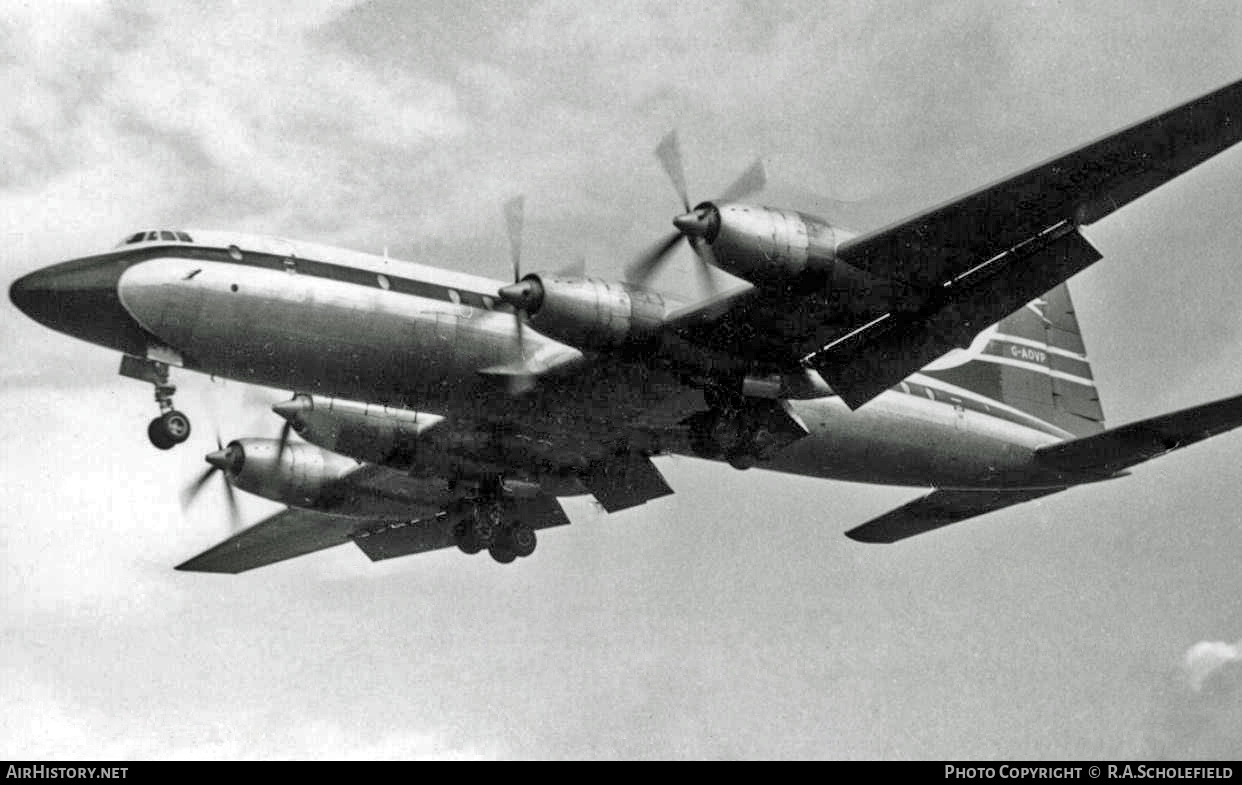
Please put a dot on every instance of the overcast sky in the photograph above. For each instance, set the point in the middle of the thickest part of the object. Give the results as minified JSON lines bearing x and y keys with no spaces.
{"x":730,"y":620}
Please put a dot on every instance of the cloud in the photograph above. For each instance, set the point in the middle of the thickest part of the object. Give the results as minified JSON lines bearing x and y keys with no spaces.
{"x":1207,"y":658}
{"x":1197,"y":712}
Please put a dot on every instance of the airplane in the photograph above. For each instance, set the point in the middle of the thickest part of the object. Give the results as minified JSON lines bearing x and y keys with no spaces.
{"x":439,"y":410}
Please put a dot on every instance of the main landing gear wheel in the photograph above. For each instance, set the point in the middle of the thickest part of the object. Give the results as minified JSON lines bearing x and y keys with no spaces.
{"x":169,"y":429}
{"x":463,"y":534}
{"x":502,"y":553}
{"x":522,"y":540}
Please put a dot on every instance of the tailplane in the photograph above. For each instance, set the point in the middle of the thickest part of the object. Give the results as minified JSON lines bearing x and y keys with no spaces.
{"x":1033,"y":360}
{"x":1094,"y":457}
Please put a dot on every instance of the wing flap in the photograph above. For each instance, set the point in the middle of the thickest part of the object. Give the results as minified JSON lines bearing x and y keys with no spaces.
{"x":389,"y":541}
{"x":937,"y":509}
{"x":625,"y":481}
{"x":1113,"y":450}
{"x":284,"y":535}
{"x":870,"y":360}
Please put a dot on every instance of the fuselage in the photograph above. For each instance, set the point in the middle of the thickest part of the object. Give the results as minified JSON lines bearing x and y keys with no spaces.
{"x":340,"y":323}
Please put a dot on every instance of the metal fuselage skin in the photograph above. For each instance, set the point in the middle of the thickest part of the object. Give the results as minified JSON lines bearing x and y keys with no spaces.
{"x":334,"y":322}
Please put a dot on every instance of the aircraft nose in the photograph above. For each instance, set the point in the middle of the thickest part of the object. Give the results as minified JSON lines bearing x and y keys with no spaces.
{"x":80,"y":298}
{"x":29,"y":291}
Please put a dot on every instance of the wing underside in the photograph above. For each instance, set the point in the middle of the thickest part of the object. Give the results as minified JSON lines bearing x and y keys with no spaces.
{"x":295,"y":532}
{"x":284,"y":535}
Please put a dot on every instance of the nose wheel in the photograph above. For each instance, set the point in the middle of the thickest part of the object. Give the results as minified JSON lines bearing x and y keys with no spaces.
{"x":169,"y":429}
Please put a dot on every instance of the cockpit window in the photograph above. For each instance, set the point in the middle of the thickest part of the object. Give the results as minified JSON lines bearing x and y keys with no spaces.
{"x":162,"y":235}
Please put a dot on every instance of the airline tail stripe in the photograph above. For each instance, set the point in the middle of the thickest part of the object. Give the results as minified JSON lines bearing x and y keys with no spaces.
{"x":1062,"y":375}
{"x":988,"y":402}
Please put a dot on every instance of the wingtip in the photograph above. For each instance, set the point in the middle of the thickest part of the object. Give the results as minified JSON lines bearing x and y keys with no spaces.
{"x":863,"y":535}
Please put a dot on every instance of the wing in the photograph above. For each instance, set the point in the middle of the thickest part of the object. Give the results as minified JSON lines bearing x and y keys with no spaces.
{"x":936,"y":509}
{"x":284,"y":535}
{"x":953,"y":270}
{"x":1081,"y":187}
{"x":297,"y":532}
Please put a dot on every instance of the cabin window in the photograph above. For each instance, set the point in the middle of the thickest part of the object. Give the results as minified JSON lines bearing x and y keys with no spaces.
{"x":183,"y":237}
{"x":235,"y":253}
{"x":137,"y":238}
{"x":454,"y":297}
{"x":168,"y":236}
{"x":383,"y":282}
{"x":152,"y":236}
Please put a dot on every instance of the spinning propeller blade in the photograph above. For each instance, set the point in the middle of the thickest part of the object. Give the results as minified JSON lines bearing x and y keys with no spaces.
{"x":515,"y":219}
{"x":692,"y":224}
{"x":219,"y":461}
{"x":669,"y":153}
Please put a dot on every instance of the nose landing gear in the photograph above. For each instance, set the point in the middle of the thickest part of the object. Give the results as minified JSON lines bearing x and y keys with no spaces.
{"x":171,"y":427}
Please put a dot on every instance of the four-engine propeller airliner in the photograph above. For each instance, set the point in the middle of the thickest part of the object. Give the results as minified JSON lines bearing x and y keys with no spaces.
{"x":438,"y":409}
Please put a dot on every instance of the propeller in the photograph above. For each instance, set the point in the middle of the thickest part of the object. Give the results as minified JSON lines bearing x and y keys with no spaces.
{"x":694,"y":224}
{"x":520,"y":294}
{"x":220,"y":461}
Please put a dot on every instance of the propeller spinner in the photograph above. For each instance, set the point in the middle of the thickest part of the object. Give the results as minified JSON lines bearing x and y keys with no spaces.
{"x":223,"y":460}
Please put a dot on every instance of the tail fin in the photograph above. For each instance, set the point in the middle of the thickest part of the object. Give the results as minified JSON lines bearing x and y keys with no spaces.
{"x":1033,"y":360}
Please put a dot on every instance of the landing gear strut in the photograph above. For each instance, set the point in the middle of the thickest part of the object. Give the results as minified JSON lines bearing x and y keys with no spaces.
{"x":171,"y":427}
{"x":741,"y":430}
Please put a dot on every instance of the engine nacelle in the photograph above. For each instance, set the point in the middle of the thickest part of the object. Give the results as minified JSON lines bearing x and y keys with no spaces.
{"x":302,"y":476}
{"x":588,"y":313}
{"x":766,"y":245}
{"x":369,"y":432}
{"x":412,"y":441}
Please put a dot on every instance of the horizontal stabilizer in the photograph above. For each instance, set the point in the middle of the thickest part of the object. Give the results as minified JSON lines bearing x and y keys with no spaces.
{"x":1117,"y":449}
{"x":284,"y":535}
{"x":388,"y":541}
{"x":625,"y":481}
{"x":936,"y":509}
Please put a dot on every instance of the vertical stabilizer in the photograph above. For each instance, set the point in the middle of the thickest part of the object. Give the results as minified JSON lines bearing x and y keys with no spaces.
{"x":1033,"y":360}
